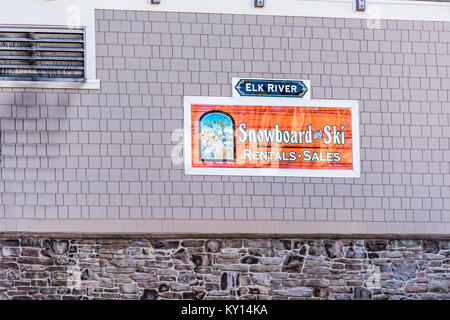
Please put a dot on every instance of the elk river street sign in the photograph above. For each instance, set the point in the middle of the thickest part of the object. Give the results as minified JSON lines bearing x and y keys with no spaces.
{"x":252,"y":87}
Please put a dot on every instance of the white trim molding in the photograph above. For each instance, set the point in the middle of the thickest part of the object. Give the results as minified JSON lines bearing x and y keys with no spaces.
{"x":379,"y":9}
{"x":88,"y":84}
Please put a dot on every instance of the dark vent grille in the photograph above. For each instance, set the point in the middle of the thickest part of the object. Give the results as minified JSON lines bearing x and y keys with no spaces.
{"x":42,"y":54}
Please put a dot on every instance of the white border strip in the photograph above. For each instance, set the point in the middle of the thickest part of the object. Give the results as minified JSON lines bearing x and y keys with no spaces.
{"x":354,"y":173}
{"x":379,"y":9}
{"x":88,"y":84}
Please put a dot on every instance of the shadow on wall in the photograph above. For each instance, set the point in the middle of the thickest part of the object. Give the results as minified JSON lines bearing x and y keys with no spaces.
{"x":32,"y":123}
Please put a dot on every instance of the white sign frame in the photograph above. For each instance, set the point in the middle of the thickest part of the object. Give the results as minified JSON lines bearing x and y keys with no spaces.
{"x":235,"y":93}
{"x":354,"y":105}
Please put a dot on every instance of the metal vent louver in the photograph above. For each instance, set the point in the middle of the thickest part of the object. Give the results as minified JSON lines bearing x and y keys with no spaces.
{"x":42,"y":54}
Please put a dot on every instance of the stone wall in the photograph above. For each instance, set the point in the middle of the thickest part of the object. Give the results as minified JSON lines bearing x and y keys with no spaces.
{"x":40,"y":268}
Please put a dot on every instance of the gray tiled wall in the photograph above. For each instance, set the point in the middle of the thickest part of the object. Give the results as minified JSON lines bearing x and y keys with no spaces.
{"x":106,"y":155}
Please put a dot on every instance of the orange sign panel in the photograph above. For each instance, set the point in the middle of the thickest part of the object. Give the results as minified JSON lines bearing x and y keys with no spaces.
{"x":307,"y":138}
